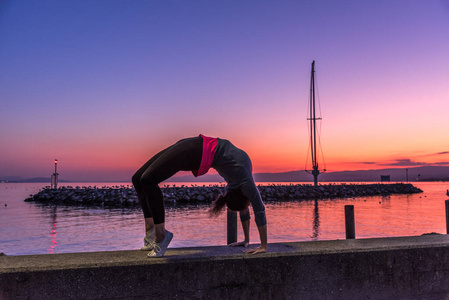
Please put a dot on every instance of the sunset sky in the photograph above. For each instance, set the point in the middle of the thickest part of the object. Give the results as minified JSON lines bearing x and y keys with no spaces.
{"x":104,"y":85}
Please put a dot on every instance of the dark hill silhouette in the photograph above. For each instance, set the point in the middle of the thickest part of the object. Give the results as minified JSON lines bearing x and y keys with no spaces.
{"x":428,"y":173}
{"x":414,"y":174}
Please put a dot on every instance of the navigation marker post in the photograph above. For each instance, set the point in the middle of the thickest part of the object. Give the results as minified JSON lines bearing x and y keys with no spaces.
{"x":54,"y":176}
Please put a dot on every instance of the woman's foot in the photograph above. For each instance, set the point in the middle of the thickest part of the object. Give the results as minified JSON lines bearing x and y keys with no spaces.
{"x":160,"y":248}
{"x":148,"y":241}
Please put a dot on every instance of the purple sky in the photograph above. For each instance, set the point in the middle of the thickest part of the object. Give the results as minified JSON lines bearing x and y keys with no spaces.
{"x":104,"y":85}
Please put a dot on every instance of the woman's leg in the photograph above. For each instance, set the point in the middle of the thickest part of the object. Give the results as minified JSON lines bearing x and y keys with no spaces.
{"x":149,"y":223}
{"x":184,"y":155}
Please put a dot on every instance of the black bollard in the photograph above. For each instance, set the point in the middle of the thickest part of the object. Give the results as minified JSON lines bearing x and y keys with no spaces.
{"x":349,"y":222}
{"x":232,"y":226}
{"x":447,"y":216}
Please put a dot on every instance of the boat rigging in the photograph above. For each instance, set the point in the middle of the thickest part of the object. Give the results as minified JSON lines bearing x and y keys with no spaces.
{"x":314,"y":135}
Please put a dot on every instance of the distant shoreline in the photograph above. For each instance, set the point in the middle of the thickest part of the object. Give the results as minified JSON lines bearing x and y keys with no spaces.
{"x":415,"y":174}
{"x":212,"y":182}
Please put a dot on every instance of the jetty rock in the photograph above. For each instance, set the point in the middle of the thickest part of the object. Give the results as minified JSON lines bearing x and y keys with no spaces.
{"x":121,"y":196}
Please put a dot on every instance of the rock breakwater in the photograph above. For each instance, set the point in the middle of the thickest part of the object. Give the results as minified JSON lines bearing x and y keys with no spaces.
{"x":125,"y":196}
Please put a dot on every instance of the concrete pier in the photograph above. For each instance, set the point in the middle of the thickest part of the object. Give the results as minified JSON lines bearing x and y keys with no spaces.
{"x":382,"y":268}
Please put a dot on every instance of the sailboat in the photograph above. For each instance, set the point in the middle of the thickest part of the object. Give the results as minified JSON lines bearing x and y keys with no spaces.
{"x":313,"y":130}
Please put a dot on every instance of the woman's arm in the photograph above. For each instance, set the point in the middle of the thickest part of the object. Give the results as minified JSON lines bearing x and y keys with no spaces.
{"x":263,"y":241}
{"x":245,"y":226}
{"x":251,"y":191}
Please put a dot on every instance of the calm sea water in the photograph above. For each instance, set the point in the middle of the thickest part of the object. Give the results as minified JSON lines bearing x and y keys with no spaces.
{"x":28,"y":228}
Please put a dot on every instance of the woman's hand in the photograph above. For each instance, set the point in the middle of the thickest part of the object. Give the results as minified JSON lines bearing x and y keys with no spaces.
{"x":239,"y":244}
{"x":256,"y":250}
{"x":263,"y":241}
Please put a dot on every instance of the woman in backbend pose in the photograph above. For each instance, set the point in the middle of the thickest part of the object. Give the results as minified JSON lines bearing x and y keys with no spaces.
{"x":198,"y":154}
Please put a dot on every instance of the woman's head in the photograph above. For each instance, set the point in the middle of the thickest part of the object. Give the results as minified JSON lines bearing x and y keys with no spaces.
{"x":234,"y":199}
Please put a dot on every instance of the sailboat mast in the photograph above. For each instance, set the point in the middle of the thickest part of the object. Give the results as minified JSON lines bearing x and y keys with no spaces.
{"x":313,"y":119}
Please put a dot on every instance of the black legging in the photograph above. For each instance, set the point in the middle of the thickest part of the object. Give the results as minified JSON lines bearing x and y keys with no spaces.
{"x":185,"y":155}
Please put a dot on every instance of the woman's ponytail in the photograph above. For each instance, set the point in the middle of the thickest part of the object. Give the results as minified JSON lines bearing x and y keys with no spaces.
{"x":217,"y":205}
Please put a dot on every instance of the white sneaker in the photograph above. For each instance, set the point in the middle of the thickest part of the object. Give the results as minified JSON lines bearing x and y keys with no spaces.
{"x":148,"y":241}
{"x":160,"y":248}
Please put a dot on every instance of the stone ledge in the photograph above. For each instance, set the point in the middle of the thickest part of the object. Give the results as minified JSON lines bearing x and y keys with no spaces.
{"x":402,"y":268}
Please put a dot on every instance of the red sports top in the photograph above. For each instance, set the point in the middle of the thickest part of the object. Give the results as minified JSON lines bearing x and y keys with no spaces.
{"x":209,"y":148}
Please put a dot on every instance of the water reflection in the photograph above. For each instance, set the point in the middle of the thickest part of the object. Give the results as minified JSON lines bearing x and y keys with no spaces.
{"x":53,"y":242}
{"x":386,"y":203}
{"x":316,"y":222}
{"x":79,"y":229}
